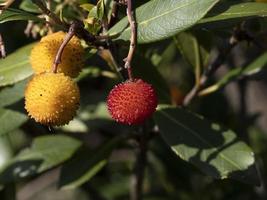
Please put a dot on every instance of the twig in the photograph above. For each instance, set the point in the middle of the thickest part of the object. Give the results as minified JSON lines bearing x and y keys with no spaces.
{"x":66,"y":40}
{"x":80,"y":31}
{"x":50,"y":14}
{"x":139,"y":170}
{"x":132,"y":23}
{"x":238,"y":36}
{"x":114,"y":13}
{"x":48,"y":19}
{"x":29,"y":28}
{"x":114,"y":10}
{"x":2,"y":48}
{"x":107,"y":55}
{"x":210,"y":70}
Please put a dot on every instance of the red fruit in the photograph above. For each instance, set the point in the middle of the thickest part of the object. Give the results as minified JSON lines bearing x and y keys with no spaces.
{"x":132,"y":102}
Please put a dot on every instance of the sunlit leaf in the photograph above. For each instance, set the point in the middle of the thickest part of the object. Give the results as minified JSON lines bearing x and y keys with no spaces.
{"x":159,"y":19}
{"x":213,"y":149}
{"x":12,"y":14}
{"x":235,"y":10}
{"x":16,"y":67}
{"x":44,"y":153}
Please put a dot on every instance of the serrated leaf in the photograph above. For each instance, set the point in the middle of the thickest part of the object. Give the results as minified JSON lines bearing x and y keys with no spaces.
{"x":233,"y":10}
{"x":213,"y":149}
{"x":16,"y":67}
{"x":12,"y":14}
{"x":86,"y":164}
{"x":44,"y":153}
{"x":253,"y":68}
{"x":157,"y":19}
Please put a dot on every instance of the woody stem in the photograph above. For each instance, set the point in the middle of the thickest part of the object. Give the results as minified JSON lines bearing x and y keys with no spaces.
{"x":132,"y":23}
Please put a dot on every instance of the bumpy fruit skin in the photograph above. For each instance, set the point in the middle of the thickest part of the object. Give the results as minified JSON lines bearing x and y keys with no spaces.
{"x":52,"y":99}
{"x":132,"y":102}
{"x":43,"y":55}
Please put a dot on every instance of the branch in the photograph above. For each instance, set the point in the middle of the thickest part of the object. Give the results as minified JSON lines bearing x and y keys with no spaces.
{"x":2,"y":48}
{"x":139,"y":170}
{"x":238,"y":35}
{"x":50,"y":14}
{"x":203,"y":79}
{"x":79,"y":32}
{"x":132,"y":23}
{"x":66,"y":40}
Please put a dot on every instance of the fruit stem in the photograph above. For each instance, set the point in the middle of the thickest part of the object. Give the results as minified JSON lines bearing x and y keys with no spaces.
{"x":132,"y":22}
{"x":2,"y":48}
{"x":66,"y":40}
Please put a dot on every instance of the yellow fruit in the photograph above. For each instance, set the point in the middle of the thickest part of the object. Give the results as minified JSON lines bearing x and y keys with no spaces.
{"x":52,"y":98}
{"x":43,"y":55}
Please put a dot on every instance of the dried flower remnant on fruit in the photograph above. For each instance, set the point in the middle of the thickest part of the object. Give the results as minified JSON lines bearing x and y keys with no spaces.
{"x":43,"y":55}
{"x":132,"y":102}
{"x":52,"y":99}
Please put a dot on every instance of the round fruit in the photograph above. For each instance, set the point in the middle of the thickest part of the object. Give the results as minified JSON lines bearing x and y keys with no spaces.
{"x":52,"y":98}
{"x":132,"y":102}
{"x":43,"y":55}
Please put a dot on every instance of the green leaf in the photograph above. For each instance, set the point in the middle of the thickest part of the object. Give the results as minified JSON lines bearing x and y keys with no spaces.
{"x":108,"y":5}
{"x":16,"y":67}
{"x":227,"y":11}
{"x":12,"y":94}
{"x":100,"y":9}
{"x":191,"y":44}
{"x":87,"y":6}
{"x":45,"y":152}
{"x":12,"y":14}
{"x":157,"y":19}
{"x":28,"y":6}
{"x":253,"y":68}
{"x":256,"y":66}
{"x":86,"y":164}
{"x":10,"y":120}
{"x":213,"y":149}
{"x":6,"y":151}
{"x":12,"y":114}
{"x":195,"y":47}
